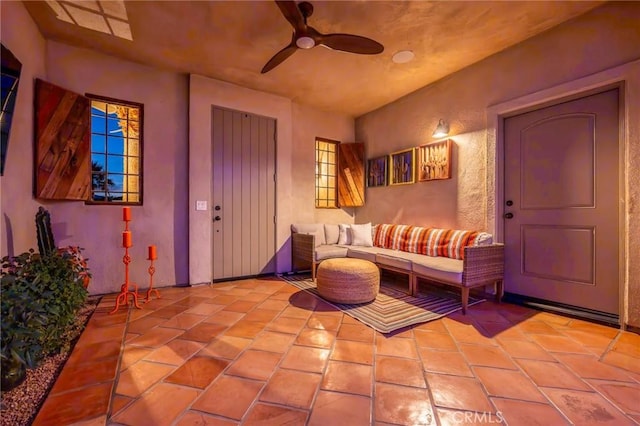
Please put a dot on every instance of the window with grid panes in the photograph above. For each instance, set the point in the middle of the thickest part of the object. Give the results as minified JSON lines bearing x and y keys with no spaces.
{"x":326,"y":173}
{"x":10,"y":70}
{"x":116,"y":151}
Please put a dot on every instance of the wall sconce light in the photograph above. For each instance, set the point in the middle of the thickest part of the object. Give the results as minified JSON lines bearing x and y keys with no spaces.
{"x":442,"y":129}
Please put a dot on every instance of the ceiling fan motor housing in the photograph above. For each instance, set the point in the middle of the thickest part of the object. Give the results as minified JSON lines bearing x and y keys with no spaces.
{"x":305,"y":42}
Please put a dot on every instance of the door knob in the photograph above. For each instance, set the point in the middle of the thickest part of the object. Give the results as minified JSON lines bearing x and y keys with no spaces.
{"x":509,"y":203}
{"x":508,"y":215}
{"x":217,"y":218}
{"x":216,"y":208}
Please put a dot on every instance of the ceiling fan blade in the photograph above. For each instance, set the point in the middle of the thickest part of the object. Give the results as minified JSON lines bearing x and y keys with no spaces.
{"x":307,"y":37}
{"x":292,"y":13}
{"x":279,"y":57}
{"x":351,"y":43}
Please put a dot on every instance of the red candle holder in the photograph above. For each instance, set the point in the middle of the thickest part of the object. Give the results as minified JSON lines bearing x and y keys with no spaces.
{"x":152,"y":270}
{"x":125,"y":292}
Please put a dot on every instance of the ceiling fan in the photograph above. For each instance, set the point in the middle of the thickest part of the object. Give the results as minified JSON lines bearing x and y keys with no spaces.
{"x":306,"y":37}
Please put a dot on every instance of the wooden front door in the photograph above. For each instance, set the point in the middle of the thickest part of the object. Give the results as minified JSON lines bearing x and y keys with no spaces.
{"x":562,"y":203}
{"x":243,"y":211}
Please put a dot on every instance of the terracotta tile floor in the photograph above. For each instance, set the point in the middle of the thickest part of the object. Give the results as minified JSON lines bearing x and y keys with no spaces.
{"x":259,"y":351}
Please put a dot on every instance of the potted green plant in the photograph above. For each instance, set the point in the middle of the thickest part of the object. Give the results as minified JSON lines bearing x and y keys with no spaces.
{"x":22,"y":321}
{"x":41,"y":295}
{"x":78,"y":262}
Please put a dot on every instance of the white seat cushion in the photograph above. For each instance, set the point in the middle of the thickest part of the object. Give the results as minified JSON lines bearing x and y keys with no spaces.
{"x":366,"y":253}
{"x":394,"y":261}
{"x":439,"y":268}
{"x":330,"y":251}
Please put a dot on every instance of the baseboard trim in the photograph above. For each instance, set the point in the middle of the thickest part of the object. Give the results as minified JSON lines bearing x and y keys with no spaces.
{"x":632,"y":328}
{"x":245,"y":277}
{"x":603,"y":318}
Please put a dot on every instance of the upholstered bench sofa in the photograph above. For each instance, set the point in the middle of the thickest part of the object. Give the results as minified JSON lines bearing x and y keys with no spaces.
{"x":460,"y":258}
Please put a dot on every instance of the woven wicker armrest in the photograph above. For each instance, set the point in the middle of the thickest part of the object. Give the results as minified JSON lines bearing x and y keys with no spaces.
{"x":483,"y":265}
{"x":302,"y":251}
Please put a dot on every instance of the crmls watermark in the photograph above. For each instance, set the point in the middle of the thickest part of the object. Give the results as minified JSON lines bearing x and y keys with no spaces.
{"x":478,"y":417}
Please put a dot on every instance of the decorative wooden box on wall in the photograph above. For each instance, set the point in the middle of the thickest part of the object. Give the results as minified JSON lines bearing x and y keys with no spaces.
{"x":62,"y":143}
{"x":351,"y":177}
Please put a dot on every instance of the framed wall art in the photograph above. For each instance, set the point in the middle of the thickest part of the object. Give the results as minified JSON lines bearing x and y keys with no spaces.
{"x":434,"y":161}
{"x":401,"y":166}
{"x":377,"y":171}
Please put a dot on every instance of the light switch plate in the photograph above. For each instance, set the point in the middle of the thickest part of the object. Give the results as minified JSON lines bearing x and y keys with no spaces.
{"x":201,"y":205}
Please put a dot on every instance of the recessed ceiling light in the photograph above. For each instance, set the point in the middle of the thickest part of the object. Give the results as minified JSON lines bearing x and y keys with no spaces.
{"x":403,"y":56}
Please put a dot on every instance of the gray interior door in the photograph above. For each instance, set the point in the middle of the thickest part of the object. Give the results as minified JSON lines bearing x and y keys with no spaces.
{"x":562,"y":203}
{"x":243,"y":215}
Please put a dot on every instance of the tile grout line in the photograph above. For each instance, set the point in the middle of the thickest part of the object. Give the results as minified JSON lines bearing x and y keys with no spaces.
{"x":521,"y":369}
{"x":326,"y":366}
{"x":256,"y":400}
{"x":161,"y":380}
{"x":276,"y":367}
{"x":230,"y":363}
{"x":475,"y":322}
{"x":116,"y":380}
{"x":434,"y":409}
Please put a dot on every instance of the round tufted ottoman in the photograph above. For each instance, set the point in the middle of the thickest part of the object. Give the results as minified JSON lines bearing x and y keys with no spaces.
{"x":346,"y":280}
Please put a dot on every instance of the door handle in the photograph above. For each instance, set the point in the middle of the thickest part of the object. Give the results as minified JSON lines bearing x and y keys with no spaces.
{"x":217,"y":218}
{"x":508,"y":216}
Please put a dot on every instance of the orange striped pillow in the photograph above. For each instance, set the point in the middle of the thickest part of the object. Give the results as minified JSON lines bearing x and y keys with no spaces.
{"x":428,"y":241}
{"x":393,"y":237}
{"x":449,"y":242}
{"x":384,"y":235}
{"x":433,"y":240}
{"x":397,"y":237}
{"x":414,"y":240}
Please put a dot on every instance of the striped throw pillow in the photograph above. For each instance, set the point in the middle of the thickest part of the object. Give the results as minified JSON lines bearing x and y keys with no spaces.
{"x":429,"y":241}
{"x":391,"y":236}
{"x":397,"y":237}
{"x":414,"y":240}
{"x":384,"y":233}
{"x":449,"y":242}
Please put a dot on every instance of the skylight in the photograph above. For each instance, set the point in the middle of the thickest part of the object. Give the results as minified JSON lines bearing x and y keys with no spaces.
{"x":106,"y":16}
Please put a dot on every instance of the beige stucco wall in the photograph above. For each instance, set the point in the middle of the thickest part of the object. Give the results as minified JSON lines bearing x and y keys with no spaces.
{"x":162,"y":220}
{"x":203,"y":94}
{"x":596,"y":42}
{"x":309,"y":123}
{"x":296,"y":129}
{"x":166,"y":219}
{"x":21,"y":36}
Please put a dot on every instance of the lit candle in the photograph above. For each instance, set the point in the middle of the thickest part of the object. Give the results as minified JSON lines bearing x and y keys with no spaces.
{"x":126,"y":239}
{"x":152,"y":253}
{"x":126,"y":214}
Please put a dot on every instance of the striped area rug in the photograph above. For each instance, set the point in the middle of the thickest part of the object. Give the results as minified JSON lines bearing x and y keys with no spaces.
{"x":392,"y":309}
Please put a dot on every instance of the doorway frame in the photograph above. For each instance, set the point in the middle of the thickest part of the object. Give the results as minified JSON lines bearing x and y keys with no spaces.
{"x":275,"y":195}
{"x":625,"y":77}
{"x":203,"y":94}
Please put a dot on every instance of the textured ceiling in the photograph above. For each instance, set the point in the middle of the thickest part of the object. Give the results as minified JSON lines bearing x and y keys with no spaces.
{"x":232,"y":40}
